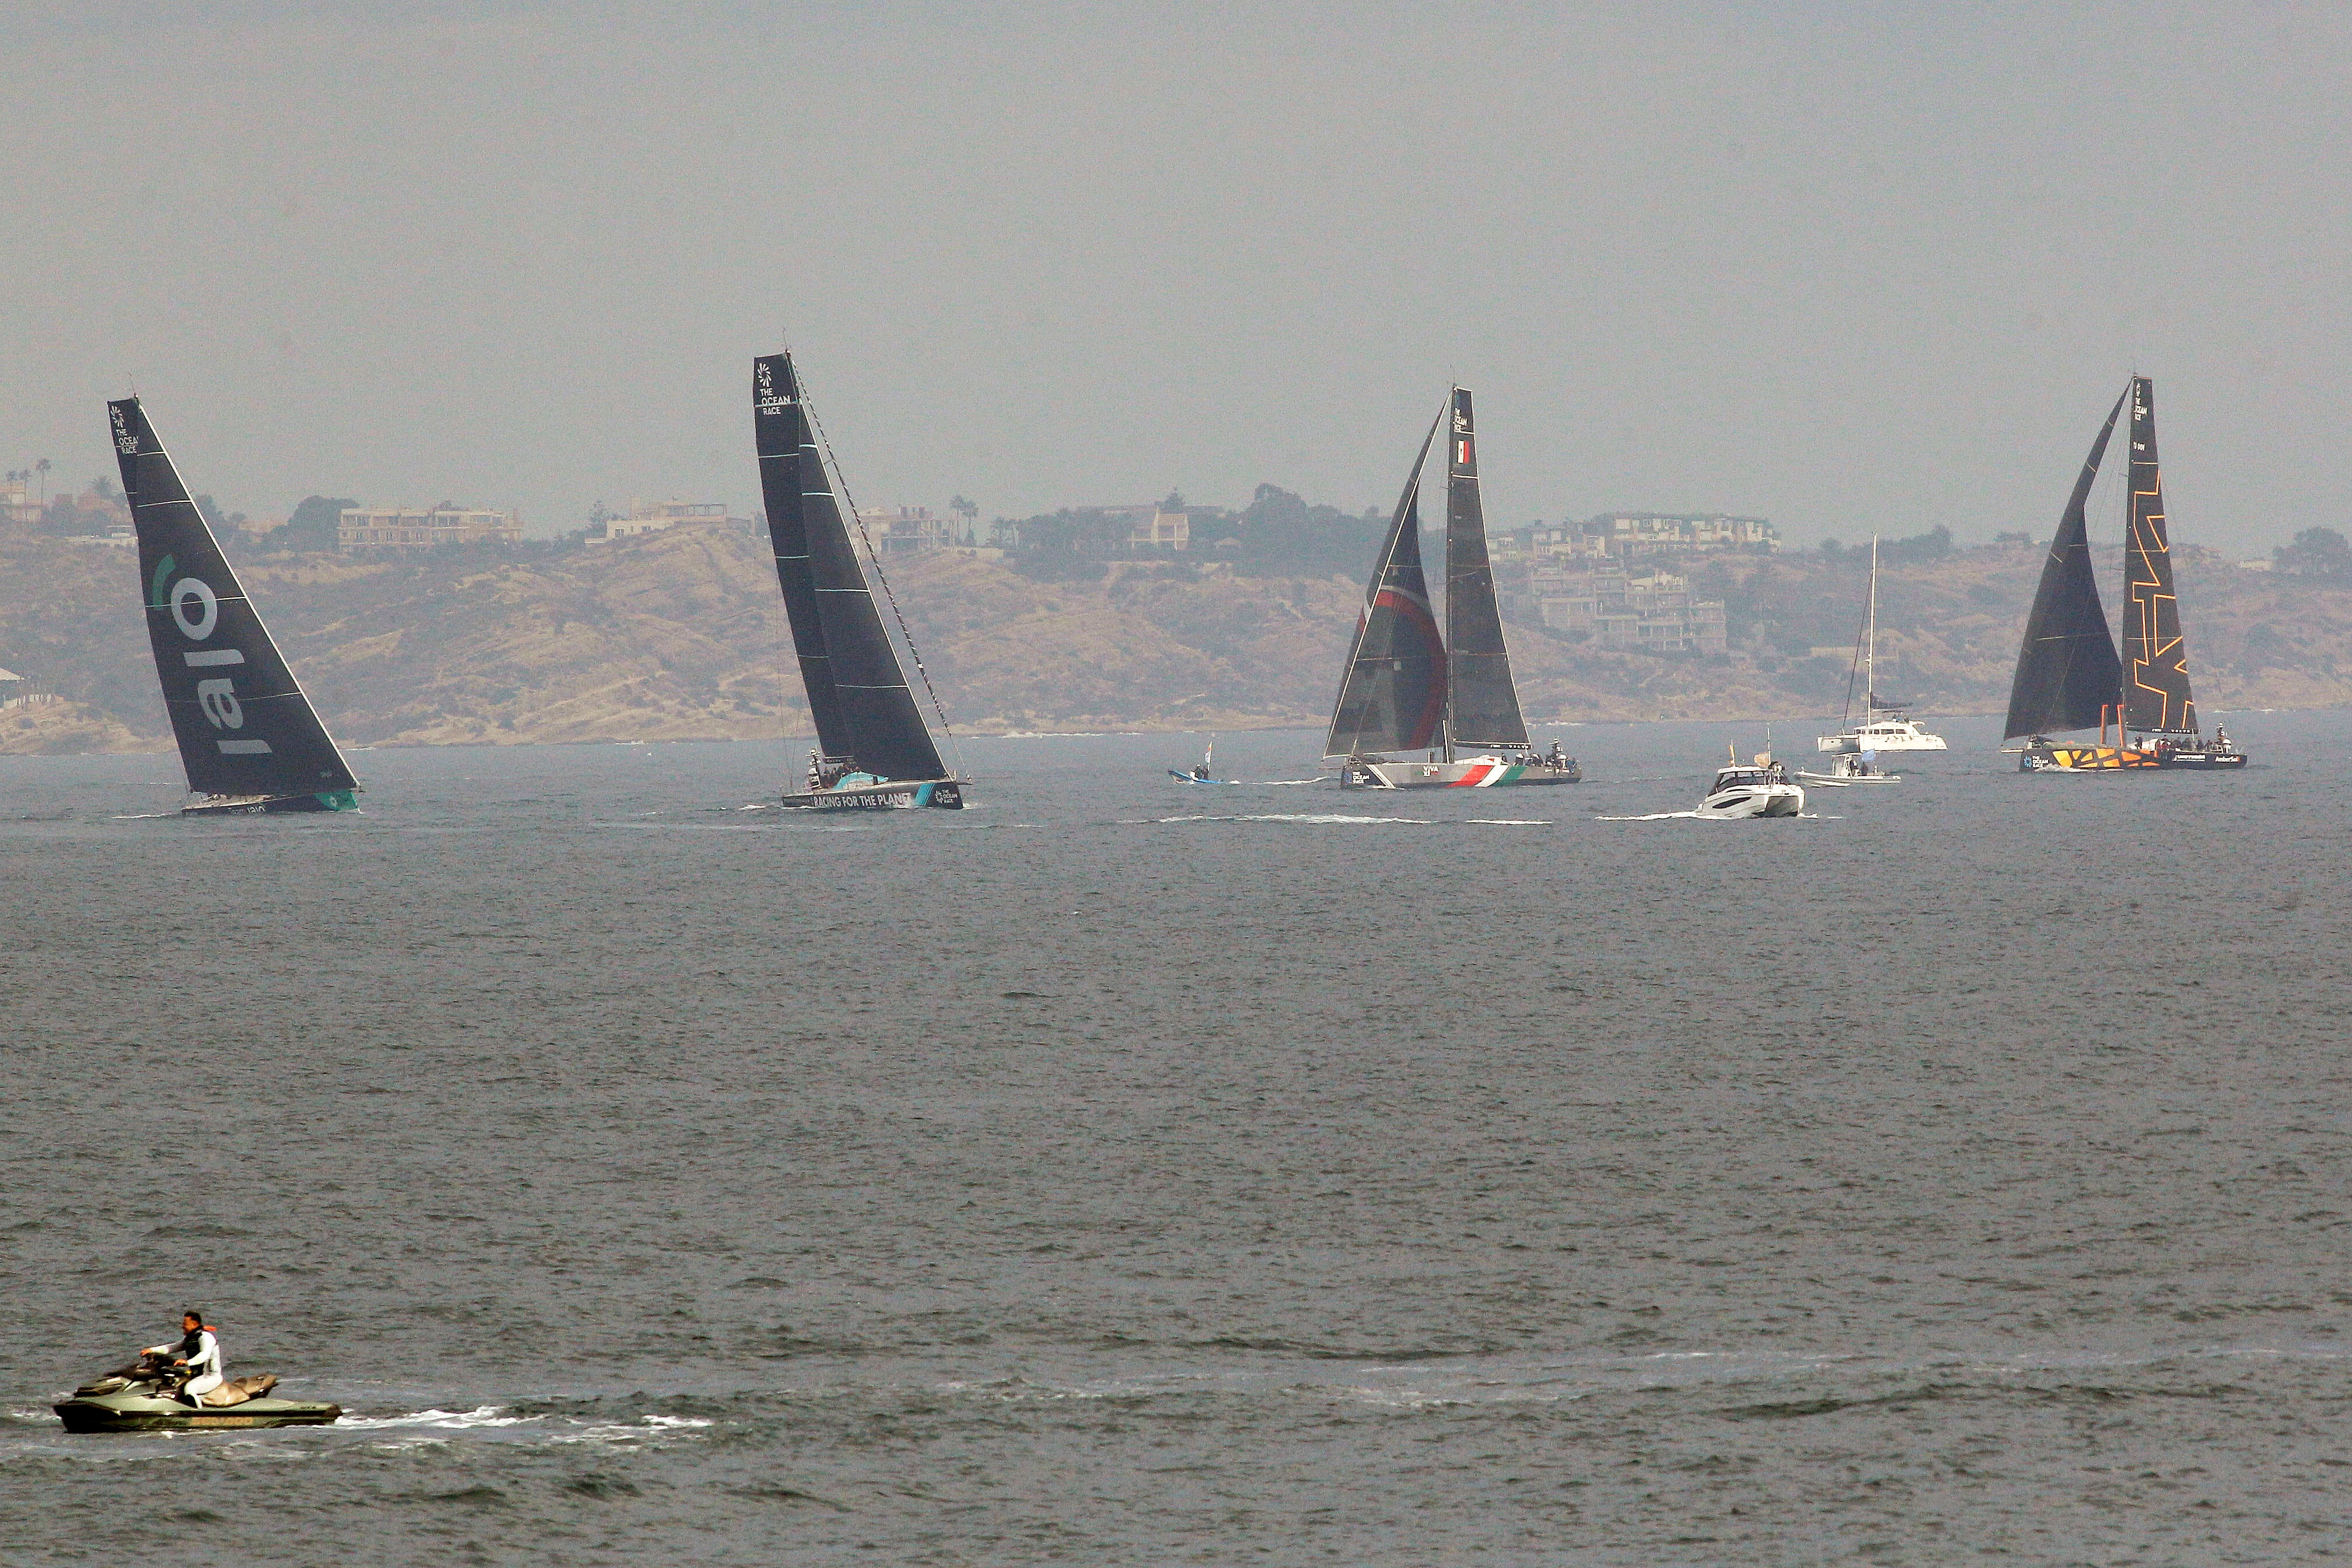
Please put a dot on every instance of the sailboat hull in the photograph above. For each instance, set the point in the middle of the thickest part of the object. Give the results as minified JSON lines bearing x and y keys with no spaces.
{"x":1475,"y":773}
{"x":940,"y":794}
{"x":272,"y":805}
{"x":1896,"y":735}
{"x":2112,"y":758}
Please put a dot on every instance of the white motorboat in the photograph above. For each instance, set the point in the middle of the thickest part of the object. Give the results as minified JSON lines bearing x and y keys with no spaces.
{"x":1852,"y":767}
{"x":1761,"y":791}
{"x":1884,"y":726}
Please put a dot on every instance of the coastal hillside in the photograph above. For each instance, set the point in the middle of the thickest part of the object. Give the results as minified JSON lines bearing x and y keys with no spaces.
{"x":680,"y":635}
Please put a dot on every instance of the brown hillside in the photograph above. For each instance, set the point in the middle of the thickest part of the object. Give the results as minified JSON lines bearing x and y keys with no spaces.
{"x":681,"y":635}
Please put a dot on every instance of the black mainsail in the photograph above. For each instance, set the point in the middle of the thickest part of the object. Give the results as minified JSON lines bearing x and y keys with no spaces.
{"x":1392,"y":688}
{"x":2067,"y":672}
{"x":856,"y":692}
{"x":1483,"y":706}
{"x":248,"y":736}
{"x":2156,"y":686}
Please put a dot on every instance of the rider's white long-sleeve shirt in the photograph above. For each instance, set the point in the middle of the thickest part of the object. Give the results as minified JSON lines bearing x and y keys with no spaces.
{"x":207,"y":1359}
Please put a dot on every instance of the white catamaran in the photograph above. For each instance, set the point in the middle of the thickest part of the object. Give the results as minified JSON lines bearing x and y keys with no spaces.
{"x":1407,"y":688}
{"x":1884,"y":726}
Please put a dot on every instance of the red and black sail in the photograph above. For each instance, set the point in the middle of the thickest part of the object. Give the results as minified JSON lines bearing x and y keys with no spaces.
{"x":1393,"y":689}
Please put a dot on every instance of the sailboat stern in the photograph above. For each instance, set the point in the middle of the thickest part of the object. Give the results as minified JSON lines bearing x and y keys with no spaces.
{"x":2047,"y":758}
{"x":864,"y":793}
{"x":1467,"y":773}
{"x":271,"y":805}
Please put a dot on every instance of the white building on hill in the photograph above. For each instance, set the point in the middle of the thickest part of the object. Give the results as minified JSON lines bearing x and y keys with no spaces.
{"x":412,"y":528}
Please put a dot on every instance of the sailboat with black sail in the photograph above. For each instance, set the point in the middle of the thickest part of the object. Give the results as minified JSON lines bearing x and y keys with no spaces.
{"x":249,"y":738}
{"x":2069,"y":676}
{"x":1405,"y":687}
{"x":872,"y":746}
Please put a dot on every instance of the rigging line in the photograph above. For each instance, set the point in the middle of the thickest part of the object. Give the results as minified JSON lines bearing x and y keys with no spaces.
{"x":1852,"y":668}
{"x":954,"y":747}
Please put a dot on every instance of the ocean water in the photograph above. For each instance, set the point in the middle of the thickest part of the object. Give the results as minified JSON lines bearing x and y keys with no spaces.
{"x":1131,"y":1172}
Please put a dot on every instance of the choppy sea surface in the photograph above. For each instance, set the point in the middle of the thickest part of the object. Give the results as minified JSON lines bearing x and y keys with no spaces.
{"x":1125,"y":1171}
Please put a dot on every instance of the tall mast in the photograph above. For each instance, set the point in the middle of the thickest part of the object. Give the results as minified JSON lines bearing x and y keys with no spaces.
{"x":1870,"y":640}
{"x":1453,"y":452}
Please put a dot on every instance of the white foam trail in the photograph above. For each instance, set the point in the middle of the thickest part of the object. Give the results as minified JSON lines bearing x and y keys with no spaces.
{"x":1703,"y":817}
{"x":1318,"y":817}
{"x":448,"y":1421}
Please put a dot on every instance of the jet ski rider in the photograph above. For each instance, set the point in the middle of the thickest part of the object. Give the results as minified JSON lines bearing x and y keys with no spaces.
{"x":196,"y":1349}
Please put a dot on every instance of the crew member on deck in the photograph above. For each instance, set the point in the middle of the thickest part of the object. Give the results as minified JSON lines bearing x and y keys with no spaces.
{"x":196,"y":1349}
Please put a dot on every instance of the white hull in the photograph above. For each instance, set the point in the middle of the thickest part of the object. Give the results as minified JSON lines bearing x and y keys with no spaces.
{"x":1468,"y":773}
{"x":1850,"y":768}
{"x":1754,"y":801}
{"x":1898,"y":735}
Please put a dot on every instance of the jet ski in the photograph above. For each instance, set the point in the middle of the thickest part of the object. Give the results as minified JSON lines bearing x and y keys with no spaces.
{"x":145,"y":1397}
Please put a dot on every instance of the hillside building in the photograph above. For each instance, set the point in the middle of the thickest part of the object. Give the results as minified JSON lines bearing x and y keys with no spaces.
{"x":652,"y":516}
{"x":404,"y":528}
{"x":1651,"y":614}
{"x":1157,"y":529}
{"x":1627,"y":534}
{"x":906,"y":530}
{"x":1637,"y":533}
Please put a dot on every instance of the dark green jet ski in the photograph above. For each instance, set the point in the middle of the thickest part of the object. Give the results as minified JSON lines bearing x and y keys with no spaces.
{"x":144,"y":1398}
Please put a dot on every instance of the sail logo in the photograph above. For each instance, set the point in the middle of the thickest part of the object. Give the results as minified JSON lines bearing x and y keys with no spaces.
{"x":125,"y":440}
{"x":195,"y":609}
{"x":764,"y":397}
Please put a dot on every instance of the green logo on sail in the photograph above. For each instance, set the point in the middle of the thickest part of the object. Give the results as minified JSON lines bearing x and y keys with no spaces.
{"x":155,"y":589}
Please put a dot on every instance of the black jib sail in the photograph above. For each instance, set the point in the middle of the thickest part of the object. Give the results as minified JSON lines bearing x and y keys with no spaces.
{"x":1484,"y":709}
{"x":1392,"y":688}
{"x":245,"y":730}
{"x":2156,"y":681}
{"x":856,"y":692}
{"x":2067,"y":672}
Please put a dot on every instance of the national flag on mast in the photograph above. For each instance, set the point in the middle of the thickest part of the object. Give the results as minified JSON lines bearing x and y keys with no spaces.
{"x":1461,"y":452}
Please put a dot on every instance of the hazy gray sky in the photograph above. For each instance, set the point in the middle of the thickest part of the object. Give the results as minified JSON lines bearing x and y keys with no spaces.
{"x":1851,"y":267}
